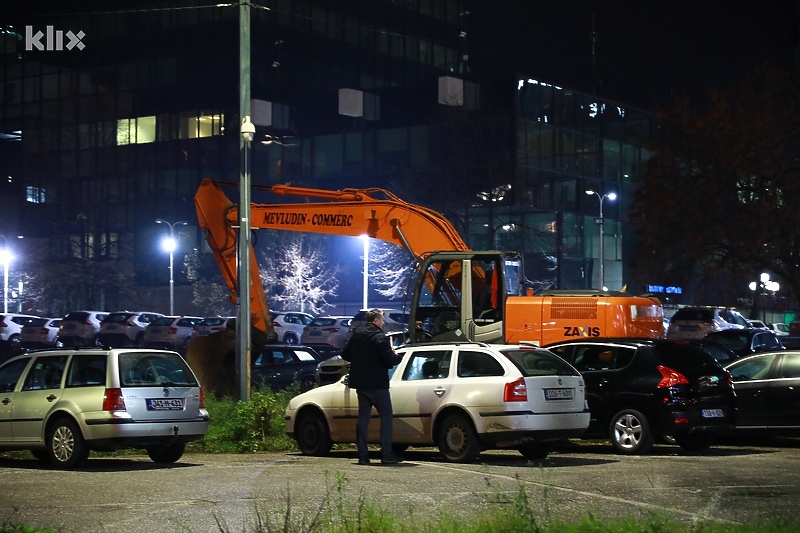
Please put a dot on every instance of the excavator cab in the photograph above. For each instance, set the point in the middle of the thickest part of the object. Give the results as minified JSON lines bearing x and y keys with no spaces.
{"x":460,"y":296}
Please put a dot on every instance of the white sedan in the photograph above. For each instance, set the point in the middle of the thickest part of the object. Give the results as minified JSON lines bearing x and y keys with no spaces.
{"x":460,"y":397}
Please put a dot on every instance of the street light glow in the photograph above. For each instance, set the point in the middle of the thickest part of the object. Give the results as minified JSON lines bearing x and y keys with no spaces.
{"x":169,"y":244}
{"x":599,"y":221}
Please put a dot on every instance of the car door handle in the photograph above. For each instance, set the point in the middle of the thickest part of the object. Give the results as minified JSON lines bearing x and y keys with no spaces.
{"x":51,"y":398}
{"x":439,"y":391}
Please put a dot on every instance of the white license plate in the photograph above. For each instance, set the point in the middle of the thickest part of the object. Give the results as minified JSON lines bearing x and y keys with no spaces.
{"x":712,"y":413}
{"x":164,"y":404}
{"x":557,"y":394}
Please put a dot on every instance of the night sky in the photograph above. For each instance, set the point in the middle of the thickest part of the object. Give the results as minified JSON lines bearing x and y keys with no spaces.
{"x":646,"y":51}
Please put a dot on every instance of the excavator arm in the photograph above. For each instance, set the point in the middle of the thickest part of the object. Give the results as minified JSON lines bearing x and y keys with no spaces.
{"x":374,"y":212}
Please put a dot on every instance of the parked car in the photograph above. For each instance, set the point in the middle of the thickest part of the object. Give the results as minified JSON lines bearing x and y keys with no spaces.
{"x":768,"y":393}
{"x":80,"y":328}
{"x":696,"y":322}
{"x":62,"y":404}
{"x":747,"y":341}
{"x":279,"y":366}
{"x":170,"y":332}
{"x":326,"y":334}
{"x":394,"y":320}
{"x":10,"y":328}
{"x":757,"y":324}
{"x":461,"y":397}
{"x":289,"y":325}
{"x":210,"y":324}
{"x":781,"y":329}
{"x":719,"y":351}
{"x":125,"y":328}
{"x":40,"y":333}
{"x":334,"y":368}
{"x":640,"y":390}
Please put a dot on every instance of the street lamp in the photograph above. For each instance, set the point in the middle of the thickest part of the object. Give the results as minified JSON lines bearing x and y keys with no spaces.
{"x":599,"y":221}
{"x":365,"y":238}
{"x":169,"y":244}
{"x":6,"y":256}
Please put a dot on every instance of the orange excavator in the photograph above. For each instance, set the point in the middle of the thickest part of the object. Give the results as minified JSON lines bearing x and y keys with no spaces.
{"x":459,"y":294}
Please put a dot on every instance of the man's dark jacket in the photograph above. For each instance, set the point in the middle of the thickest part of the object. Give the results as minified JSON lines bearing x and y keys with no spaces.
{"x":371,"y":356}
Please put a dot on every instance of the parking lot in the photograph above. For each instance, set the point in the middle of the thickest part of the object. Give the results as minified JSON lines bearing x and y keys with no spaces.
{"x":738,"y":484}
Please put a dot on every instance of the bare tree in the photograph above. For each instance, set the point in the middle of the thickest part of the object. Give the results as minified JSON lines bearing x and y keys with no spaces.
{"x":295,"y":273}
{"x":208,"y":288}
{"x":391,"y":268}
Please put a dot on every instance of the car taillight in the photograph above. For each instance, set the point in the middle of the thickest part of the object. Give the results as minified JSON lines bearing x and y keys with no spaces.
{"x":173,"y":331}
{"x":3,"y":324}
{"x":670,"y":377}
{"x":202,"y":399}
{"x":113,"y":400}
{"x":332,"y":330}
{"x":276,"y":324}
{"x":516,"y":391}
{"x":43,"y":330}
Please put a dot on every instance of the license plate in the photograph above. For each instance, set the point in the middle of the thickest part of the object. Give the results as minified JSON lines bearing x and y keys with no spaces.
{"x":712,"y":413}
{"x":164,"y":404}
{"x":557,"y":394}
{"x":313,"y":333}
{"x":688,"y":328}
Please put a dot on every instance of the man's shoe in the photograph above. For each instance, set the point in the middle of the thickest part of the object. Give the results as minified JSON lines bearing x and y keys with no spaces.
{"x":391,"y":460}
{"x":364,"y":461}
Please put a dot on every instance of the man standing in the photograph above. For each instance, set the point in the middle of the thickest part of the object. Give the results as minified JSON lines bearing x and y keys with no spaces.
{"x":371,"y":356}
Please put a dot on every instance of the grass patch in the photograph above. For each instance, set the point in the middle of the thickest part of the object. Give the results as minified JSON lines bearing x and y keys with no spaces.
{"x":246,"y":427}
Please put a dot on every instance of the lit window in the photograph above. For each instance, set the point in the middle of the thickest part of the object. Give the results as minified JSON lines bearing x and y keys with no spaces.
{"x":136,"y":130}
{"x":35,"y":195}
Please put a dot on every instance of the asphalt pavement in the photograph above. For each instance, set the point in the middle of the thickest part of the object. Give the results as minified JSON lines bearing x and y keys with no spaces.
{"x":227,"y":492}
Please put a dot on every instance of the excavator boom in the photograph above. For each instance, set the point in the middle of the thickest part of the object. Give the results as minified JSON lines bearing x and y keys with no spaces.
{"x":374,"y":212}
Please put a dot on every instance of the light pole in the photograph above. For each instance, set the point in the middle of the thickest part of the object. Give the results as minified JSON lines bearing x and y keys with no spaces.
{"x":599,"y":221}
{"x":169,"y":244}
{"x":365,"y":238}
{"x":5,"y":253}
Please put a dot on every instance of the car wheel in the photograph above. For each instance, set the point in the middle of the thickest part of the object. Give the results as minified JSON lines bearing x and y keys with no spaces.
{"x":457,"y":440}
{"x":536,"y":451}
{"x":307,"y":384}
{"x":65,"y":445}
{"x":629,"y":432}
{"x":14,"y":343}
{"x":694,"y":443}
{"x":312,"y":435}
{"x":169,"y":453}
{"x":290,"y":338}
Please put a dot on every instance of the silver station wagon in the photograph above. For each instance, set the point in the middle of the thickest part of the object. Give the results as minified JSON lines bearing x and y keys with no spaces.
{"x":461,"y":397}
{"x":62,"y":404}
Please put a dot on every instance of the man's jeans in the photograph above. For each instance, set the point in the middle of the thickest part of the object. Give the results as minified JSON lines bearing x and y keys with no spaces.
{"x":382,"y":401}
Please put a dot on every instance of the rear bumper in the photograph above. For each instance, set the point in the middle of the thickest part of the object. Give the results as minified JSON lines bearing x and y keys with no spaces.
{"x":115,"y":434}
{"x":514,"y":429}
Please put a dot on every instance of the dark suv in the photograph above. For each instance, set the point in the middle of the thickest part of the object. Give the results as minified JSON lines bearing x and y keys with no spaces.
{"x":641,"y":389}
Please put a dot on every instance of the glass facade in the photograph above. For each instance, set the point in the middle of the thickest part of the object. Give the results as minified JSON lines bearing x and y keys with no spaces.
{"x":100,"y":142}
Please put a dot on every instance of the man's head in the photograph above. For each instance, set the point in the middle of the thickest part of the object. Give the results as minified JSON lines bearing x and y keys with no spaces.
{"x":374,"y":316}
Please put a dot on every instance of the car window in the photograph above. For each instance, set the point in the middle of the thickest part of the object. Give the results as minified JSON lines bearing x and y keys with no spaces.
{"x":539,"y":363}
{"x":731,"y":340}
{"x":790,"y":366}
{"x":21,"y":320}
{"x":187,"y":322}
{"x":693,"y":313}
{"x":478,"y":364}
{"x":45,"y":373}
{"x":37,"y":322}
{"x":593,"y":358}
{"x":767,"y":341}
{"x":753,"y":368}
{"x":87,"y":371}
{"x":304,"y":355}
{"x":427,"y":364}
{"x":10,"y":373}
{"x":142,"y":369}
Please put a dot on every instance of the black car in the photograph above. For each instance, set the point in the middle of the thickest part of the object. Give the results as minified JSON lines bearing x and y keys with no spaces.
{"x":768,"y":393}
{"x":747,"y":341}
{"x":280,"y":365}
{"x":642,"y":389}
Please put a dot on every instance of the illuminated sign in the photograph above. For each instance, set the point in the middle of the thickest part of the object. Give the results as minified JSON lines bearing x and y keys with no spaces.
{"x":665,"y":290}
